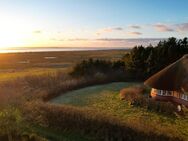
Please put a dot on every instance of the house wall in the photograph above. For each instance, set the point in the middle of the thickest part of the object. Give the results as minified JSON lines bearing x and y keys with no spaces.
{"x":171,"y":96}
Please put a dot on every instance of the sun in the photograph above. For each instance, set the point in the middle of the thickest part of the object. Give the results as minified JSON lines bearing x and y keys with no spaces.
{"x":14,"y":31}
{"x":10,"y":39}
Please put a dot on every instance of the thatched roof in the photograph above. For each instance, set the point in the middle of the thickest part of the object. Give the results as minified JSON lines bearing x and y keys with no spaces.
{"x":173,"y":78}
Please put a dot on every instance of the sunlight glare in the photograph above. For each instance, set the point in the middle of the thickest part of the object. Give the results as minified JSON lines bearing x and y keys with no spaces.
{"x":14,"y":32}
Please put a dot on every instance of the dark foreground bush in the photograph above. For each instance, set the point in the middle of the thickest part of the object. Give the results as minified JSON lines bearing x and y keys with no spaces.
{"x":88,"y":122}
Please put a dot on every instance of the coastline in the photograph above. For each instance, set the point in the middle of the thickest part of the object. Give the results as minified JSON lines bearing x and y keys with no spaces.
{"x":58,"y":49}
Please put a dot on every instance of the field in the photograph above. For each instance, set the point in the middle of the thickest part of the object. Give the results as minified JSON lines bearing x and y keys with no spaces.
{"x":78,"y":99}
{"x":15,"y":65}
{"x":105,"y":98}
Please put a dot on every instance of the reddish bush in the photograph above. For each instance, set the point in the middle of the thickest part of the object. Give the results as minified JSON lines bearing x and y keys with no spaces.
{"x":132,"y":93}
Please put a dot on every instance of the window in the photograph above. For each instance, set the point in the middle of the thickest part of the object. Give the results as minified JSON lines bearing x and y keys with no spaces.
{"x":184,"y":97}
{"x":172,"y":93}
{"x":169,"y":93}
{"x":159,"y":92}
{"x":164,"y":93}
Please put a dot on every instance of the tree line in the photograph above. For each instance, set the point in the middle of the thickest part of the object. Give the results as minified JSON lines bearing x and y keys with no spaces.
{"x":139,"y":63}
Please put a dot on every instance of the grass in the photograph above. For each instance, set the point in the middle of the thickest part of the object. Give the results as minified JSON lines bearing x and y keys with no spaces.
{"x":105,"y":98}
{"x":11,"y":75}
{"x":89,"y":96}
{"x":65,"y":59}
{"x":55,"y":135}
{"x":12,"y":68}
{"x":20,"y":65}
{"x":101,"y":98}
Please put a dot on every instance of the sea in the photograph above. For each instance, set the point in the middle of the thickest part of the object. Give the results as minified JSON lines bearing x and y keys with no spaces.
{"x":54,"y":49}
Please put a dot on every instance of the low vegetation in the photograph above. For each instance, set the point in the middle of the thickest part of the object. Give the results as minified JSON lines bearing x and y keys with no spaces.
{"x":138,"y":64}
{"x":131,"y":93}
{"x":24,"y":99}
{"x":138,"y":97}
{"x":89,"y":122}
{"x":105,"y":100}
{"x":99,"y":68}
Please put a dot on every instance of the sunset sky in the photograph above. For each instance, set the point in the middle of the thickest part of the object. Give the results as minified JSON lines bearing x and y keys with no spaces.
{"x":90,"y":23}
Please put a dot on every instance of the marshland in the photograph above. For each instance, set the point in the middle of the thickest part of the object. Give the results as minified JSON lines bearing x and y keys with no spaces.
{"x":100,"y":96}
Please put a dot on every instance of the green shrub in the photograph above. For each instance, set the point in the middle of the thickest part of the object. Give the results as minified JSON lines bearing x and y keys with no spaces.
{"x":91,"y":67}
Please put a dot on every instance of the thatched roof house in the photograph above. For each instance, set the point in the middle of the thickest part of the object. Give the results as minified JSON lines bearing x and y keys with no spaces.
{"x":173,"y":78}
{"x":172,"y":81}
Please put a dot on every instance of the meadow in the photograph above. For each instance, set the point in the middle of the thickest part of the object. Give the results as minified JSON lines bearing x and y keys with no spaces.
{"x":38,"y":94}
{"x":62,"y":59}
{"x":31,"y":75}
{"x":14,"y":65}
{"x":106,"y":99}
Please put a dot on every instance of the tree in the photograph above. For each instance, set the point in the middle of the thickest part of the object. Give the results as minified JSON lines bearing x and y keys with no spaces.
{"x":144,"y":61}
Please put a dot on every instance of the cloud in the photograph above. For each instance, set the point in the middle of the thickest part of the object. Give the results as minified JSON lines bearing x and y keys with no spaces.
{"x":57,"y":39}
{"x":134,"y":33}
{"x":117,"y":28}
{"x":183,"y":27}
{"x":37,"y":31}
{"x":111,"y":39}
{"x":135,"y":26}
{"x":108,"y":30}
{"x":131,"y":42}
{"x":110,"y":42}
{"x":70,"y":39}
{"x":78,"y":39}
{"x":163,"y":28}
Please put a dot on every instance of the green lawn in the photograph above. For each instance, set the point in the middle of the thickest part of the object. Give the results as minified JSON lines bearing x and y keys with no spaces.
{"x":105,"y":98}
{"x":91,"y":95}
